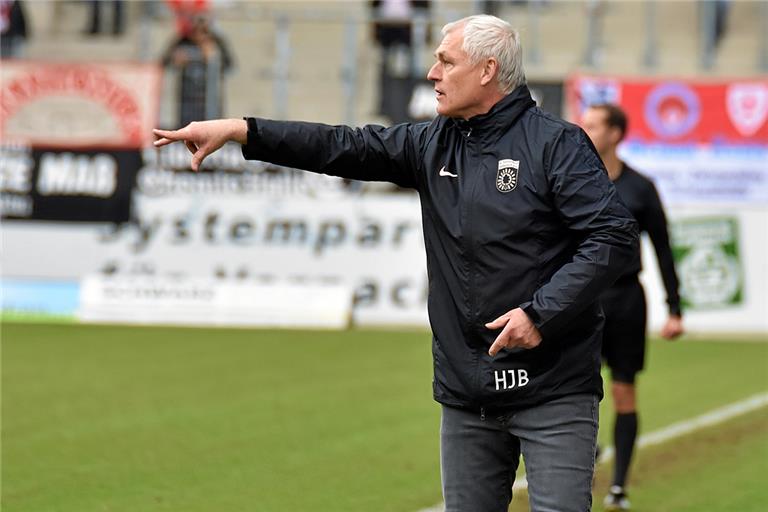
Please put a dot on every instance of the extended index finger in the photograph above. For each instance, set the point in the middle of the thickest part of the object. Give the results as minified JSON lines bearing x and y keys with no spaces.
{"x":162,"y":142}
{"x":501,"y":341}
{"x":168,"y":136}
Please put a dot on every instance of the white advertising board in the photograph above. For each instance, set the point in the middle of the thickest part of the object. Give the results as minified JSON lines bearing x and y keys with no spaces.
{"x":210,"y":302}
{"x":372,"y":245}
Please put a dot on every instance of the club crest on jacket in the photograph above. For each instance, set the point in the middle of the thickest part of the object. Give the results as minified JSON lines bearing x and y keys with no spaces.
{"x":506,"y":176}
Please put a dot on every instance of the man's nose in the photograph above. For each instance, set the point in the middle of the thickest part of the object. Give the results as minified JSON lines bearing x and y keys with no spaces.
{"x":432,"y":73}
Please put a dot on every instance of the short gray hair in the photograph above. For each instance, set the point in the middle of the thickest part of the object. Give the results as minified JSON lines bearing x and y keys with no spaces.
{"x":488,"y":37}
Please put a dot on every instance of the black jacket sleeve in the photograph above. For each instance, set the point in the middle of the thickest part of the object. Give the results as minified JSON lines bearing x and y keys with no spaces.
{"x":370,"y":153}
{"x":656,"y":225}
{"x":605,"y":234}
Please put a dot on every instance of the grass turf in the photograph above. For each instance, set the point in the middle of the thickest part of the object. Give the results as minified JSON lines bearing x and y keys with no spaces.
{"x":717,"y":469}
{"x":114,"y":418}
{"x":721,"y":468}
{"x":154,"y":419}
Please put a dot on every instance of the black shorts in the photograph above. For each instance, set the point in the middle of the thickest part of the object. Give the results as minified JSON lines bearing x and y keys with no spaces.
{"x":624,"y":333}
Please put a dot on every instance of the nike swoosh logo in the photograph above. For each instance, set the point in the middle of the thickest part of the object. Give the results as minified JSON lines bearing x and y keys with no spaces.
{"x":443,"y":172}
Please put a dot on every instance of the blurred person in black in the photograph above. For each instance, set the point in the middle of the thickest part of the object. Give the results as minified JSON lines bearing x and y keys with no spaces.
{"x":201,"y":58}
{"x":393,"y":32}
{"x":13,"y":28}
{"x":94,"y":26}
{"x":624,"y":303}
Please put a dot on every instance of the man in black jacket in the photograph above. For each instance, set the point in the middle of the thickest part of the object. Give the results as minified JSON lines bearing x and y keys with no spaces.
{"x":523,"y":231}
{"x":624,"y":302}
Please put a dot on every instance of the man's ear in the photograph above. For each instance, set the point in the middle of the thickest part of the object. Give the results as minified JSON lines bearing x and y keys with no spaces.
{"x":490,"y":69}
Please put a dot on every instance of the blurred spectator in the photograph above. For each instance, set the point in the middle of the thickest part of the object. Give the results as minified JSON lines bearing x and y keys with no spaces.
{"x":185,"y":12}
{"x":489,"y":7}
{"x":13,"y":28}
{"x":201,"y":58}
{"x":714,"y":21}
{"x":393,"y":26}
{"x":495,"y":7}
{"x":94,"y":26}
{"x":722,"y":7}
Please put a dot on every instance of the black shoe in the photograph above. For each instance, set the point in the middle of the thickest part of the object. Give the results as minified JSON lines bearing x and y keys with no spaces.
{"x":616,"y":500}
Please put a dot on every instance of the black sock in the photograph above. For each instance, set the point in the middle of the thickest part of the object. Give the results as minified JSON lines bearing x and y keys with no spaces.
{"x":624,"y":434}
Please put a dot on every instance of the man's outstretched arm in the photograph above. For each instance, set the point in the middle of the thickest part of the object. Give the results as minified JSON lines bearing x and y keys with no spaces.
{"x":369,"y":153}
{"x":204,"y":137}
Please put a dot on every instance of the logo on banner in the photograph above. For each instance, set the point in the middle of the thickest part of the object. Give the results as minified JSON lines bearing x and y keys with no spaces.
{"x":506,"y":176}
{"x":77,"y":105}
{"x":70,"y":174}
{"x":672,"y":110}
{"x":747,"y":105}
{"x":593,"y":91}
{"x":707,"y":255}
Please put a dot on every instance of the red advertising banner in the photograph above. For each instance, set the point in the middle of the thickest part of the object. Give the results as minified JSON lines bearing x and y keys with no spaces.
{"x":78,"y":105}
{"x":680,"y":111}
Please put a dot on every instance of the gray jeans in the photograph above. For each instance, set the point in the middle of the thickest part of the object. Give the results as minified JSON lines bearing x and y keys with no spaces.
{"x":479,"y":456}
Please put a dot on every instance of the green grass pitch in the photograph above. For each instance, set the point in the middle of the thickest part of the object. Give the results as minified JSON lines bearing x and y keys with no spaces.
{"x":102,"y":418}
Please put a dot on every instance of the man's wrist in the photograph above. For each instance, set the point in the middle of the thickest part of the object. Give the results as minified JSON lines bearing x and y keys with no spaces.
{"x":238,"y":131}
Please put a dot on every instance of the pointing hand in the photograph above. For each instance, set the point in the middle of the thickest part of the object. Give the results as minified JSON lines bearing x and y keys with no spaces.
{"x":204,"y":137}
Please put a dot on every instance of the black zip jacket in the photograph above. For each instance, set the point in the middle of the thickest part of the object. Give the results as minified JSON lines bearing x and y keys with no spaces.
{"x":517,"y":211}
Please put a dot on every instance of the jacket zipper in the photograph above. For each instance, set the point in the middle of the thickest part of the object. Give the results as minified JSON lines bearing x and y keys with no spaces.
{"x":468,"y":235}
{"x":472,"y":314}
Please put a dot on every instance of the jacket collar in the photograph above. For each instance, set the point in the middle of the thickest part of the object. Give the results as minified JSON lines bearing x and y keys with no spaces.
{"x":502,"y":114}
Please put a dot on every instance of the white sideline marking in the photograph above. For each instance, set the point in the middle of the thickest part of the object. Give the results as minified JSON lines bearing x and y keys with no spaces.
{"x":665,"y":434}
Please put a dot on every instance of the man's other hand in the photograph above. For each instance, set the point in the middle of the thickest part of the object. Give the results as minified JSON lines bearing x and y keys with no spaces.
{"x":518,"y":331}
{"x":204,"y":137}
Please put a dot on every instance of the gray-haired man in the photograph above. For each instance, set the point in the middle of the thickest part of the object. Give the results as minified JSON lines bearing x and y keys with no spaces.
{"x":522,"y":229}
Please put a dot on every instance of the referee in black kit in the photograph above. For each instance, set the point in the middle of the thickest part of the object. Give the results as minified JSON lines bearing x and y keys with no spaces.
{"x":624,"y":302}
